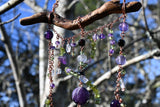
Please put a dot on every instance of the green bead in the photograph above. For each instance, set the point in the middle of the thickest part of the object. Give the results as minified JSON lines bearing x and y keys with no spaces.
{"x":73,"y":54}
{"x":47,"y":101}
{"x":62,"y":51}
{"x":48,"y":74}
{"x":122,"y":105}
{"x":110,"y":31}
{"x":110,"y":38}
{"x":52,"y":58}
{"x":97,"y":95}
{"x":112,"y":47}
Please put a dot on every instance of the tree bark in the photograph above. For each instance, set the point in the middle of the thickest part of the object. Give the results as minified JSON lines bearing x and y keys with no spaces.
{"x":105,"y":10}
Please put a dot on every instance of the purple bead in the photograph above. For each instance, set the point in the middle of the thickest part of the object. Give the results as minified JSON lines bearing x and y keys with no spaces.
{"x":123,"y":26}
{"x":48,"y":35}
{"x":110,"y":35}
{"x":115,"y":103}
{"x":80,"y":95}
{"x":68,"y":70}
{"x":111,"y":51}
{"x":121,"y":60}
{"x":52,"y":85}
{"x":57,"y":42}
{"x":95,"y":37}
{"x":52,"y":47}
{"x":73,"y":44}
{"x":112,"y":42}
{"x":62,"y":59}
{"x":102,"y":36}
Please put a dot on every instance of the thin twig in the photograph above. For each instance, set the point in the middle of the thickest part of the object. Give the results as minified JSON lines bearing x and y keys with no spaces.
{"x":11,"y":20}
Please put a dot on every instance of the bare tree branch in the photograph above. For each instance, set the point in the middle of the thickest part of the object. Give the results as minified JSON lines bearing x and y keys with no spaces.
{"x":10,"y":4}
{"x":108,"y":74}
{"x":105,"y":10}
{"x":2,"y":23}
{"x":14,"y":66}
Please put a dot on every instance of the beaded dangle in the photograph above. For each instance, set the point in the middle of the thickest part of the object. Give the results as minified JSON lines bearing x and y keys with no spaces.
{"x":120,"y":60}
{"x":49,"y":35}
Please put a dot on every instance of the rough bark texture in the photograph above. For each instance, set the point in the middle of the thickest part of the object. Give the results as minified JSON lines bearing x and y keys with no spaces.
{"x":105,"y":10}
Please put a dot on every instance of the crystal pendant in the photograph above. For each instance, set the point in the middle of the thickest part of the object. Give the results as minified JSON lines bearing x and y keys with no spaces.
{"x":58,"y":71}
{"x":82,"y":58}
{"x":95,"y":37}
{"x":115,"y":103}
{"x":122,"y":85}
{"x":83,"y":79}
{"x":68,"y":48}
{"x":120,"y":60}
{"x":123,"y":26}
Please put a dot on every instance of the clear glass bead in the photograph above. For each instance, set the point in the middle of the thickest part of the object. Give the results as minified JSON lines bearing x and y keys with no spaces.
{"x":59,"y":71}
{"x":83,"y":79}
{"x":122,"y":85}
{"x":120,"y":60}
{"x":68,"y":48}
{"x":82,"y":58}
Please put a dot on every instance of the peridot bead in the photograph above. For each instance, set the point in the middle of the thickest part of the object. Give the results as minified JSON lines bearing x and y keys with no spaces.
{"x":47,"y":101}
{"x":110,"y":31}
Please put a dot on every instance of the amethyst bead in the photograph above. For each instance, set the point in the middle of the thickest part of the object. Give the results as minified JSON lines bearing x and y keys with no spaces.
{"x":48,"y":35}
{"x":95,"y":37}
{"x":80,"y":95}
{"x":52,"y":85}
{"x":102,"y":36}
{"x":112,"y":42}
{"x":110,"y":35}
{"x":68,"y":70}
{"x":62,"y":59}
{"x":123,"y":26}
{"x":73,"y":44}
{"x":115,"y":103}
{"x":120,"y":60}
{"x":57,"y":42}
{"x":111,"y":51}
{"x":52,"y":47}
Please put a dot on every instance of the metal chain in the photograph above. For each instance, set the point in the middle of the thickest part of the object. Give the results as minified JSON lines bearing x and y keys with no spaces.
{"x":55,"y":5}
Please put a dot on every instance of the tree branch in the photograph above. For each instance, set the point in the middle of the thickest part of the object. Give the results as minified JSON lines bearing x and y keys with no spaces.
{"x":2,"y":23}
{"x":14,"y":66}
{"x":10,"y":4}
{"x":106,"y":9}
{"x":108,"y":74}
